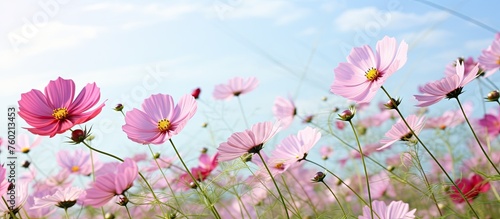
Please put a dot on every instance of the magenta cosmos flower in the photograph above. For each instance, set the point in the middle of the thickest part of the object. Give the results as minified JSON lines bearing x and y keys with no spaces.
{"x":490,"y":57}
{"x":449,"y":87}
{"x":284,"y":110}
{"x":108,"y":185}
{"x":396,"y":209}
{"x":470,"y":188}
{"x":249,"y":141}
{"x":159,"y":118}
{"x":294,"y":148}
{"x":235,"y":87}
{"x":365,"y":72}
{"x":56,"y":110}
{"x":400,"y":131}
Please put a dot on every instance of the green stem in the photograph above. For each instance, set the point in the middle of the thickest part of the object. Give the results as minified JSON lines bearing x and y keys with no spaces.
{"x":432,"y":156}
{"x":128,"y":212}
{"x":364,"y":168}
{"x":242,"y":111}
{"x":211,"y":205}
{"x":275,"y":184}
{"x":66,"y":213}
{"x":7,"y":206}
{"x":338,"y":201}
{"x":475,"y":136}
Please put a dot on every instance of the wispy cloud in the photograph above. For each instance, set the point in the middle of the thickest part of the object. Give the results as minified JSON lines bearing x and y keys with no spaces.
{"x":281,"y":12}
{"x":360,"y":18}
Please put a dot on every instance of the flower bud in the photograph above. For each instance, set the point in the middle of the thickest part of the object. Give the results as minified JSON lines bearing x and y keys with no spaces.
{"x":204,"y":150}
{"x":109,"y":216}
{"x":78,"y":136}
{"x":318,"y":177}
{"x":348,"y":114}
{"x":156,"y":155}
{"x":122,"y":200}
{"x":118,"y":107}
{"x":392,"y":103}
{"x":196,"y":93}
{"x":26,"y":164}
{"x":493,"y":96}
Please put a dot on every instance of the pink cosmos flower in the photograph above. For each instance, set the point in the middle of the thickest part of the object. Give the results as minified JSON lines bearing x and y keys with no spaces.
{"x":470,"y":188}
{"x":325,"y":152}
{"x":63,"y":198}
{"x":364,"y":73}
{"x":294,"y":148}
{"x":449,"y":118}
{"x":469,"y":64}
{"x":249,"y":141}
{"x":21,"y":191}
{"x":108,"y":185}
{"x":284,"y":110}
{"x":159,"y":119}
{"x":491,"y":123}
{"x":400,"y":131}
{"x":24,"y":145}
{"x":490,"y":57}
{"x":78,"y":162}
{"x":56,"y":110}
{"x":449,"y":87}
{"x":235,"y":87}
{"x":396,"y":209}
{"x":206,"y":165}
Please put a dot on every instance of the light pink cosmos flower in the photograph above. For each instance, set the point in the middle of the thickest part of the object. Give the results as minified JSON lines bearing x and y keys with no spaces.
{"x":159,"y":118}
{"x":491,"y":123}
{"x":21,"y":191}
{"x":56,"y":110}
{"x":24,"y":144}
{"x":325,"y":151}
{"x":106,"y":186}
{"x":449,"y":87}
{"x":294,"y":148}
{"x":284,"y":110}
{"x":249,"y":141}
{"x":364,"y":73}
{"x":62,"y":197}
{"x":395,"y":209}
{"x":449,"y":118}
{"x":400,"y":131}
{"x":469,"y":64}
{"x":235,"y":87}
{"x":77,"y":162}
{"x":489,"y":59}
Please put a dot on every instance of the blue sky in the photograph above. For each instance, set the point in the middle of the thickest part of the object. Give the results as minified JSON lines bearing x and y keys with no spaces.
{"x":132,"y":50}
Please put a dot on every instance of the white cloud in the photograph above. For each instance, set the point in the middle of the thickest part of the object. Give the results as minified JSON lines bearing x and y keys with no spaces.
{"x":53,"y":36}
{"x":361,"y":18}
{"x":478,"y":45}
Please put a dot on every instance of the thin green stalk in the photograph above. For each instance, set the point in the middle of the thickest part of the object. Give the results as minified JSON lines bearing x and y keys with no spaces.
{"x":342,"y":181}
{"x":211,"y":205}
{"x":164,"y":177}
{"x":242,"y":111}
{"x":140,"y":174}
{"x":430,"y":154}
{"x":7,"y":206}
{"x":364,"y":168}
{"x":477,"y":139}
{"x":297,"y":211}
{"x":338,"y":201}
{"x":128,"y":212}
{"x":66,"y":213}
{"x":275,"y":184}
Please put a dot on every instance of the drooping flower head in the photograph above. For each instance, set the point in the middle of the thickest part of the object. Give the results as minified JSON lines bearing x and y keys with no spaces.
{"x":159,"y":118}
{"x":396,"y":209}
{"x":249,"y":141}
{"x":284,"y":110}
{"x":365,"y":72}
{"x":235,"y":87}
{"x":106,"y":186}
{"x":55,"y":111}
{"x":294,"y":148}
{"x":469,"y":187}
{"x":400,"y":131}
{"x":448,"y":87}
{"x":489,"y":59}
{"x":62,"y":197}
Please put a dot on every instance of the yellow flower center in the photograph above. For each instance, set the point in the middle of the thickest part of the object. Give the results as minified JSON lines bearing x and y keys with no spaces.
{"x":498,"y":61}
{"x":25,"y":149}
{"x":60,"y":113}
{"x":163,"y":125}
{"x":75,"y":169}
{"x":280,"y":166}
{"x":372,"y":74}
